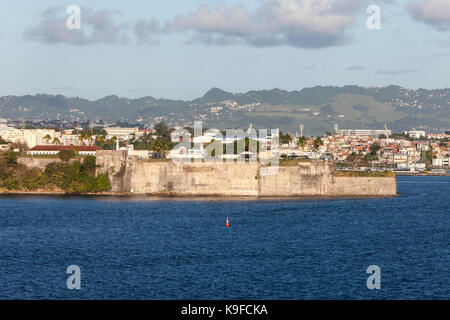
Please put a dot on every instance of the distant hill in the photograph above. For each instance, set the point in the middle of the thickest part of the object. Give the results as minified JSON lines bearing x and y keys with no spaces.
{"x":318,"y":108}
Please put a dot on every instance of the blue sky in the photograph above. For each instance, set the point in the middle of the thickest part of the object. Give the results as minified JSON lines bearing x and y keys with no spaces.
{"x":185,"y":48}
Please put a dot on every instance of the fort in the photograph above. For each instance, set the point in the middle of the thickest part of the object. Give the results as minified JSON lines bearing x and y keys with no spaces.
{"x":314,"y":178}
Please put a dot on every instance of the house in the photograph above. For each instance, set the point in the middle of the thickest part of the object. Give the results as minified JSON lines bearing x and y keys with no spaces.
{"x":400,"y":158}
{"x":49,"y":150}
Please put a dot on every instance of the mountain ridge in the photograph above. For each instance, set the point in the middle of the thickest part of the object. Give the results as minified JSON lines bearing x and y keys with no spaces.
{"x":318,"y":108}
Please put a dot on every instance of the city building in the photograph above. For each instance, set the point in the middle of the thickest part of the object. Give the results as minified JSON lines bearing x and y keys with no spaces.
{"x":53,"y":150}
{"x":30,"y":137}
{"x":121,"y":133}
{"x":363,"y":132}
{"x":415,"y":134}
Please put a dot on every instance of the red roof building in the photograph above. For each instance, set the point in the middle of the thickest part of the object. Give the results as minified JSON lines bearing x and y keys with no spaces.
{"x":82,"y":150}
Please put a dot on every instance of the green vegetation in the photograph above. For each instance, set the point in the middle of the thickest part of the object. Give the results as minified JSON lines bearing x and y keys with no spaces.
{"x":75,"y":177}
{"x":317,"y":144}
{"x":380,"y":174}
{"x":427,"y":156}
{"x":356,"y":159}
{"x":285,"y":138}
{"x":301,"y":142}
{"x":160,"y":146}
{"x":144,"y":143}
{"x":67,"y":154}
{"x":318,"y":107}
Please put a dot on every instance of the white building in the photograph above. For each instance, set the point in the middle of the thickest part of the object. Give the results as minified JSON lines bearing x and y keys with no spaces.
{"x":121,"y":133}
{"x":30,"y":137}
{"x":363,"y":132}
{"x":415,"y":134}
{"x":53,"y":150}
{"x":441,"y":162}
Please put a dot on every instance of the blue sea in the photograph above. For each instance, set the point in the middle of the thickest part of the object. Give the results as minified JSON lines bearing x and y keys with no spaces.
{"x":153,"y":248}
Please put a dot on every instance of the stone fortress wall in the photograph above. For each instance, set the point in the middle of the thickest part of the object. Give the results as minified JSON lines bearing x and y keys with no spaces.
{"x":314,"y":178}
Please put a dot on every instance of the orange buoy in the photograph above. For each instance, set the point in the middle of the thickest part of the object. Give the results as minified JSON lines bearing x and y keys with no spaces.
{"x":227,"y":224}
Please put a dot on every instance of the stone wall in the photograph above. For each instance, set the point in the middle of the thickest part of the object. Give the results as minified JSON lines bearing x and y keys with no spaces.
{"x":37,"y":163}
{"x":363,"y":186}
{"x":308,"y":179}
{"x":312,"y":178}
{"x":194,"y":179}
{"x":113,"y":164}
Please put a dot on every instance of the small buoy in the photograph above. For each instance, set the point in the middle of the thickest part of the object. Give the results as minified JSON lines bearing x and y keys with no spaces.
{"x":227,"y":224}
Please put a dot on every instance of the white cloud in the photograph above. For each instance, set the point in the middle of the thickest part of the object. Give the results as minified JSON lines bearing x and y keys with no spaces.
{"x":96,"y":27}
{"x":299,"y":23}
{"x":432,"y":12}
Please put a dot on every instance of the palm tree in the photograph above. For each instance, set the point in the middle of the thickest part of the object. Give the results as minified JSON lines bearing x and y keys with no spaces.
{"x":100,"y":141}
{"x":47,"y":138}
{"x":317,"y":144}
{"x":82,"y":137}
{"x":162,"y":130}
{"x":56,"y":141}
{"x":285,"y":138}
{"x":301,"y":142}
{"x":86,"y":136}
{"x":159,"y":146}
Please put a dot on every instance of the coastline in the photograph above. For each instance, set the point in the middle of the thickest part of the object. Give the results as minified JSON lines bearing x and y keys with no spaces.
{"x":416,"y":174}
{"x":194,"y":197}
{"x":183,"y":197}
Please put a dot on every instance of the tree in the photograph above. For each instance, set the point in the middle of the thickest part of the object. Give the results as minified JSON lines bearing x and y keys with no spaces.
{"x":56,"y":141}
{"x":162,"y":130}
{"x":66,"y":154}
{"x":89,"y":165}
{"x":427,"y":156}
{"x":301,"y":142}
{"x":355,"y":159}
{"x":382,"y":136}
{"x":47,"y":138}
{"x":103,"y":183}
{"x":11,"y":158}
{"x":19,"y":145}
{"x":100,"y":140}
{"x":317,"y":144}
{"x":285,"y":138}
{"x":85,"y":136}
{"x":374,"y":149}
{"x":159,"y":146}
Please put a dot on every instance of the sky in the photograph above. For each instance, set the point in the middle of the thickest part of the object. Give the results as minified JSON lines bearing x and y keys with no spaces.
{"x":179,"y":49}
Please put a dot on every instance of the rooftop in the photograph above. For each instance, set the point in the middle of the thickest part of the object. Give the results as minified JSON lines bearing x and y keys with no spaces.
{"x":59,"y":148}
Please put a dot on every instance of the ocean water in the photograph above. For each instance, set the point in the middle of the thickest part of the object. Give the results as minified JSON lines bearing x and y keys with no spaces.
{"x":149,"y":248}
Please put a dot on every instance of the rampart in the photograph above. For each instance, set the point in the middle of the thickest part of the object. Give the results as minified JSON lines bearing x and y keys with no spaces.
{"x":314,"y":178}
